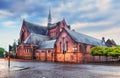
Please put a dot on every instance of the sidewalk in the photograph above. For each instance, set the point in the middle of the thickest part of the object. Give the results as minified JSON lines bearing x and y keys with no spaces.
{"x":5,"y":71}
{"x":18,"y":60}
{"x":96,"y":63}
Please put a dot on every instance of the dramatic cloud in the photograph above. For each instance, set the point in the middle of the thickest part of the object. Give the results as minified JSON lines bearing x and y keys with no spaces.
{"x":97,"y":18}
{"x":5,"y":13}
{"x":91,"y":24}
{"x":9,"y":24}
{"x":112,"y":33}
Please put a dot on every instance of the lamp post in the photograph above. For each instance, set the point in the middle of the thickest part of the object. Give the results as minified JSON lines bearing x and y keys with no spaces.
{"x":10,"y":49}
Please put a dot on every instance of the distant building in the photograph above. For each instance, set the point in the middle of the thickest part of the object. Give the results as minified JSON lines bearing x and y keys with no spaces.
{"x":56,"y":42}
{"x":110,"y":43}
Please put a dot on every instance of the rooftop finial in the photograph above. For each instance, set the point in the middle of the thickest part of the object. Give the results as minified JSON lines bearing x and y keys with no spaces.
{"x":64,"y":22}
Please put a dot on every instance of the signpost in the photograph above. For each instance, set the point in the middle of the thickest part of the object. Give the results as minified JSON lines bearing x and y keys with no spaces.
{"x":10,"y":49}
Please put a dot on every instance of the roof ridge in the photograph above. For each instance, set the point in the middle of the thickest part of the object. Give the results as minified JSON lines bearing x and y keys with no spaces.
{"x":39,"y":34}
{"x":33,"y":24}
{"x":80,"y":37}
{"x":50,"y":40}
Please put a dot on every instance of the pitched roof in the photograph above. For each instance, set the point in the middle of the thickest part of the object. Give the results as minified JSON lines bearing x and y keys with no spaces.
{"x":110,"y":42}
{"x":36,"y":39}
{"x":34,"y":28}
{"x":56,"y":24}
{"x":113,"y":42}
{"x":52,"y":25}
{"x":47,"y":44}
{"x":79,"y":37}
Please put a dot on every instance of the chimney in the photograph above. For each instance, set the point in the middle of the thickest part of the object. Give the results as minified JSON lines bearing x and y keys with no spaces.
{"x":64,"y":22}
{"x":69,"y":27}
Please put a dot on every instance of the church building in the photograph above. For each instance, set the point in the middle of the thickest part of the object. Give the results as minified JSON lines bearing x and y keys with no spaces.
{"x":56,"y":42}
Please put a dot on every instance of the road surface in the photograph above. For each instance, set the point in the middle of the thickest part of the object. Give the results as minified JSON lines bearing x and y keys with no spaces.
{"x":56,"y":70}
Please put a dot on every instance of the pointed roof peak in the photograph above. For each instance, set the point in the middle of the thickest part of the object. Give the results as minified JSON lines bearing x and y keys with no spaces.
{"x":24,"y":20}
{"x":63,"y":18}
{"x":64,"y":22}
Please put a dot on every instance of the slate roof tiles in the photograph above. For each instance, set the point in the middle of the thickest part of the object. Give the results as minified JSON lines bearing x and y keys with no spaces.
{"x":79,"y":37}
{"x":34,"y":28}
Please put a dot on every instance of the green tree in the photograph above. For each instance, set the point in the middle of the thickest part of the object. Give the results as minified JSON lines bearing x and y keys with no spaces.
{"x":114,"y":52}
{"x":97,"y":51}
{"x":2,"y":50}
{"x":106,"y":51}
{"x":14,"y":47}
{"x":19,"y":42}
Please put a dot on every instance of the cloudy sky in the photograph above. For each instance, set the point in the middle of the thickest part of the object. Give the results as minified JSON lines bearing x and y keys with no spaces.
{"x":96,"y":18}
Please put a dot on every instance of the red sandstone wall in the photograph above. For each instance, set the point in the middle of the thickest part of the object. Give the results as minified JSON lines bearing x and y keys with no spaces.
{"x":71,"y":55}
{"x":53,"y":32}
{"x":24,"y":51}
{"x":45,"y":56}
{"x":26,"y":33}
{"x":20,"y":51}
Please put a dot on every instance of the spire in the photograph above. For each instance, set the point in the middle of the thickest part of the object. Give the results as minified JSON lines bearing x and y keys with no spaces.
{"x":49,"y":17}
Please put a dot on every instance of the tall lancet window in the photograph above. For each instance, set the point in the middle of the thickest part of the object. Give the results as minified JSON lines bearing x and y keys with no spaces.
{"x":60,"y":47}
{"x":66,"y":45}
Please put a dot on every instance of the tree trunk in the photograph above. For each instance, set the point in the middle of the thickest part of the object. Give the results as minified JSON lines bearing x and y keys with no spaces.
{"x":99,"y":58}
{"x":106,"y":58}
{"x":93,"y":59}
{"x":117,"y":58}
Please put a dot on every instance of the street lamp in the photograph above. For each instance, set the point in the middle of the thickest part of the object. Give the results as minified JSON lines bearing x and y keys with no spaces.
{"x":10,"y":49}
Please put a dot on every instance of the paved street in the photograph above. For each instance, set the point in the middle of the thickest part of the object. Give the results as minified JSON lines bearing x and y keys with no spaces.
{"x":56,"y":70}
